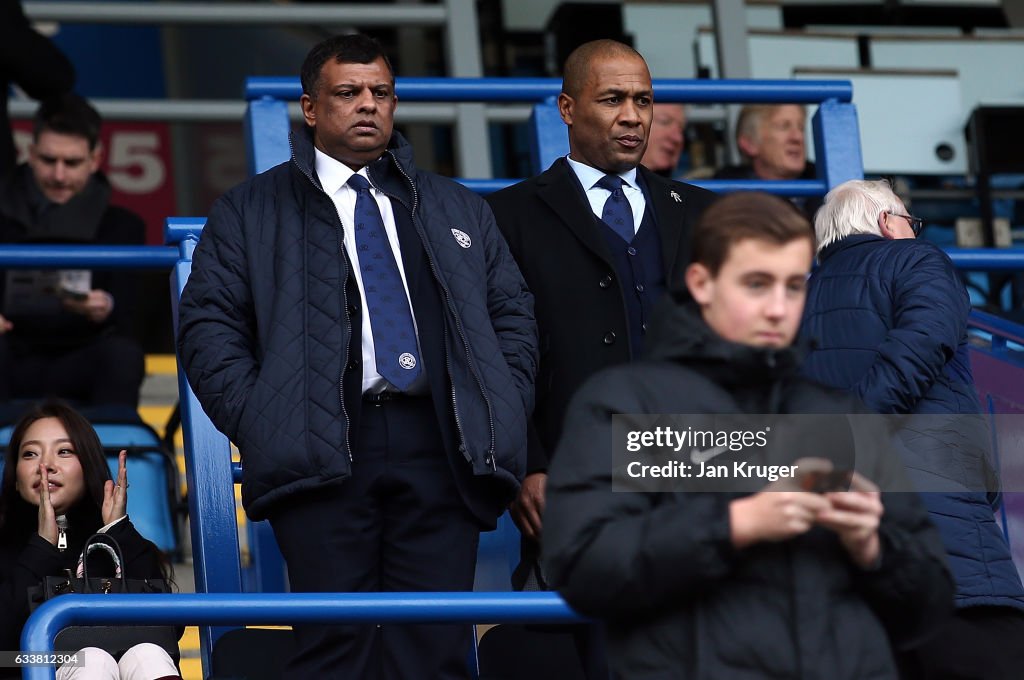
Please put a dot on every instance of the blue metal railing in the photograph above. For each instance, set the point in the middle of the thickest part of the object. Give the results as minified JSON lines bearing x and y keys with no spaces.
{"x":105,"y":256}
{"x":836,"y":136}
{"x":283,"y":609}
{"x":188,"y":229}
{"x":540,"y":89}
{"x":1006,"y":331}
{"x":987,"y":259}
{"x":1000,"y":334}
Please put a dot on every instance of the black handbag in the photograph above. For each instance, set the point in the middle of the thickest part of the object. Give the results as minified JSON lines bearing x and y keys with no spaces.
{"x":115,"y":640}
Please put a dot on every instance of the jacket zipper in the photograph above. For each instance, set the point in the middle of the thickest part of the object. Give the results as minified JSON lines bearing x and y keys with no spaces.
{"x":462,"y":335}
{"x":344,"y":301}
{"x":62,"y":533}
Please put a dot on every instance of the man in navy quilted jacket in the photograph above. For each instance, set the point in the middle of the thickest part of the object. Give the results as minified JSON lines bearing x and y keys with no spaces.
{"x":887,"y":314}
{"x":358,"y":328}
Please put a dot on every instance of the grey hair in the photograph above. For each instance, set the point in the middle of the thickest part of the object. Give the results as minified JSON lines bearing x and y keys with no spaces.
{"x":853,"y":207}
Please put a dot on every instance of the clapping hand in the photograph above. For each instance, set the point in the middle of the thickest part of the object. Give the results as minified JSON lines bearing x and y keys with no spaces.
{"x":47,"y":517}
{"x":115,"y":494}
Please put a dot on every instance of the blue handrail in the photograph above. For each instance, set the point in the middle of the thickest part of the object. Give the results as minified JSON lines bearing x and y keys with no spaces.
{"x":105,"y":256}
{"x":997,"y":326}
{"x":539,"y":89}
{"x":281,"y":609}
{"x":182,"y":229}
{"x":987,"y":259}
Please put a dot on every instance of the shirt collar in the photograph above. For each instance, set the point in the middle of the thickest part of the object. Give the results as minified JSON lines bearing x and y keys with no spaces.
{"x":589,"y":175}
{"x":333,"y":174}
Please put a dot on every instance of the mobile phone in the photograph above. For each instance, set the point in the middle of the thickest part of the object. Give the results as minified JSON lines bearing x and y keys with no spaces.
{"x":76,"y":295}
{"x":823,"y":482}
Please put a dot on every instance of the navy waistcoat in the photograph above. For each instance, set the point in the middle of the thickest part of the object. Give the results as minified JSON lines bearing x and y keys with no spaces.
{"x":638,"y":266}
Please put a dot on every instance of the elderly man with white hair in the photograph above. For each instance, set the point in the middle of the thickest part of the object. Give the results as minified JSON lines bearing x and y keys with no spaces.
{"x":886,"y":315}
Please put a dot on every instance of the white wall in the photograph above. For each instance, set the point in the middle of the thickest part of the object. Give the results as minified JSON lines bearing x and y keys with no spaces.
{"x":903,"y":117}
{"x":666,"y":33}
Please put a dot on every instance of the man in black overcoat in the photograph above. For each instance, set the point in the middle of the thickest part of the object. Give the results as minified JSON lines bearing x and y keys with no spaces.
{"x":598,"y":238}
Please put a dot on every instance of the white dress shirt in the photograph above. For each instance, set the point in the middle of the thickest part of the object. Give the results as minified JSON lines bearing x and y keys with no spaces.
{"x":334,"y":176}
{"x":590,"y":176}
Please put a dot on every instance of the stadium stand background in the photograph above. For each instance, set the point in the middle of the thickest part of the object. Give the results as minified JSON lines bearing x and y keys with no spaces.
{"x":166,"y":160}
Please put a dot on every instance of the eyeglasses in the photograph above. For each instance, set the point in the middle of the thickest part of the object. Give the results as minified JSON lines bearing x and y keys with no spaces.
{"x":916,"y":223}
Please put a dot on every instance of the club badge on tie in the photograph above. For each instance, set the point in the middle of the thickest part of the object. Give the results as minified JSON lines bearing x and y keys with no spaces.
{"x":675,"y":197}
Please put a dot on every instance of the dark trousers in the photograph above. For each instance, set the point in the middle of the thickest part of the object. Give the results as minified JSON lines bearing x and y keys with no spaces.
{"x":104,"y":371}
{"x":397,"y":524}
{"x":977,"y":643}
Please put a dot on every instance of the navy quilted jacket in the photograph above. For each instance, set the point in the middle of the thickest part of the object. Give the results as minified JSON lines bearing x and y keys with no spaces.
{"x":265,"y":328}
{"x":887,"y":320}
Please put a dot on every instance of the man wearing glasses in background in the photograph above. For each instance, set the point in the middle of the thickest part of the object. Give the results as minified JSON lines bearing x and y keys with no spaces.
{"x":888,"y":316}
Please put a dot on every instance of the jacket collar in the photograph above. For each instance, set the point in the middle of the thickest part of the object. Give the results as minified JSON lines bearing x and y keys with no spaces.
{"x":394,"y":172}
{"x":846,"y":243}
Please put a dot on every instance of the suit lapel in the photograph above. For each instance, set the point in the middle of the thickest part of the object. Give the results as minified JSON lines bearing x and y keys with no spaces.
{"x":669,"y":215}
{"x":562,"y":192}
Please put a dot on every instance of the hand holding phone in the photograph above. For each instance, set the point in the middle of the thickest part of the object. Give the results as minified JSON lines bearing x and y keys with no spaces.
{"x":819,"y":481}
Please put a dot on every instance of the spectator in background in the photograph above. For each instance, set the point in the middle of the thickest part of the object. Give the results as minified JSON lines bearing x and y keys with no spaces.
{"x":887,"y":316}
{"x":67,"y":333}
{"x":751,"y":580}
{"x":359,"y":329}
{"x":666,"y":140}
{"x":30,"y":61}
{"x":771,"y":140}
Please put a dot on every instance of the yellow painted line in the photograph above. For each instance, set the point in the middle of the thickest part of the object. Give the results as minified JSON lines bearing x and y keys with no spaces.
{"x":161,"y":364}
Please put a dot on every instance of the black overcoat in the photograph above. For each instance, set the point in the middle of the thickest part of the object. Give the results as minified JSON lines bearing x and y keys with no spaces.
{"x":579,"y":303}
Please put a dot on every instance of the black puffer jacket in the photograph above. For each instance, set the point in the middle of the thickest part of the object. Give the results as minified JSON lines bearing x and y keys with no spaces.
{"x":265,"y":326}
{"x":679,"y":600}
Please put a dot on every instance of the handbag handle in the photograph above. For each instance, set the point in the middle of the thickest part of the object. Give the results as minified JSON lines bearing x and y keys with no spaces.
{"x":110,"y":546}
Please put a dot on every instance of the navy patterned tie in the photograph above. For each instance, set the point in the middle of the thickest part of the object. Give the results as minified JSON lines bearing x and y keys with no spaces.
{"x":394,"y":336}
{"x":617,"y":213}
